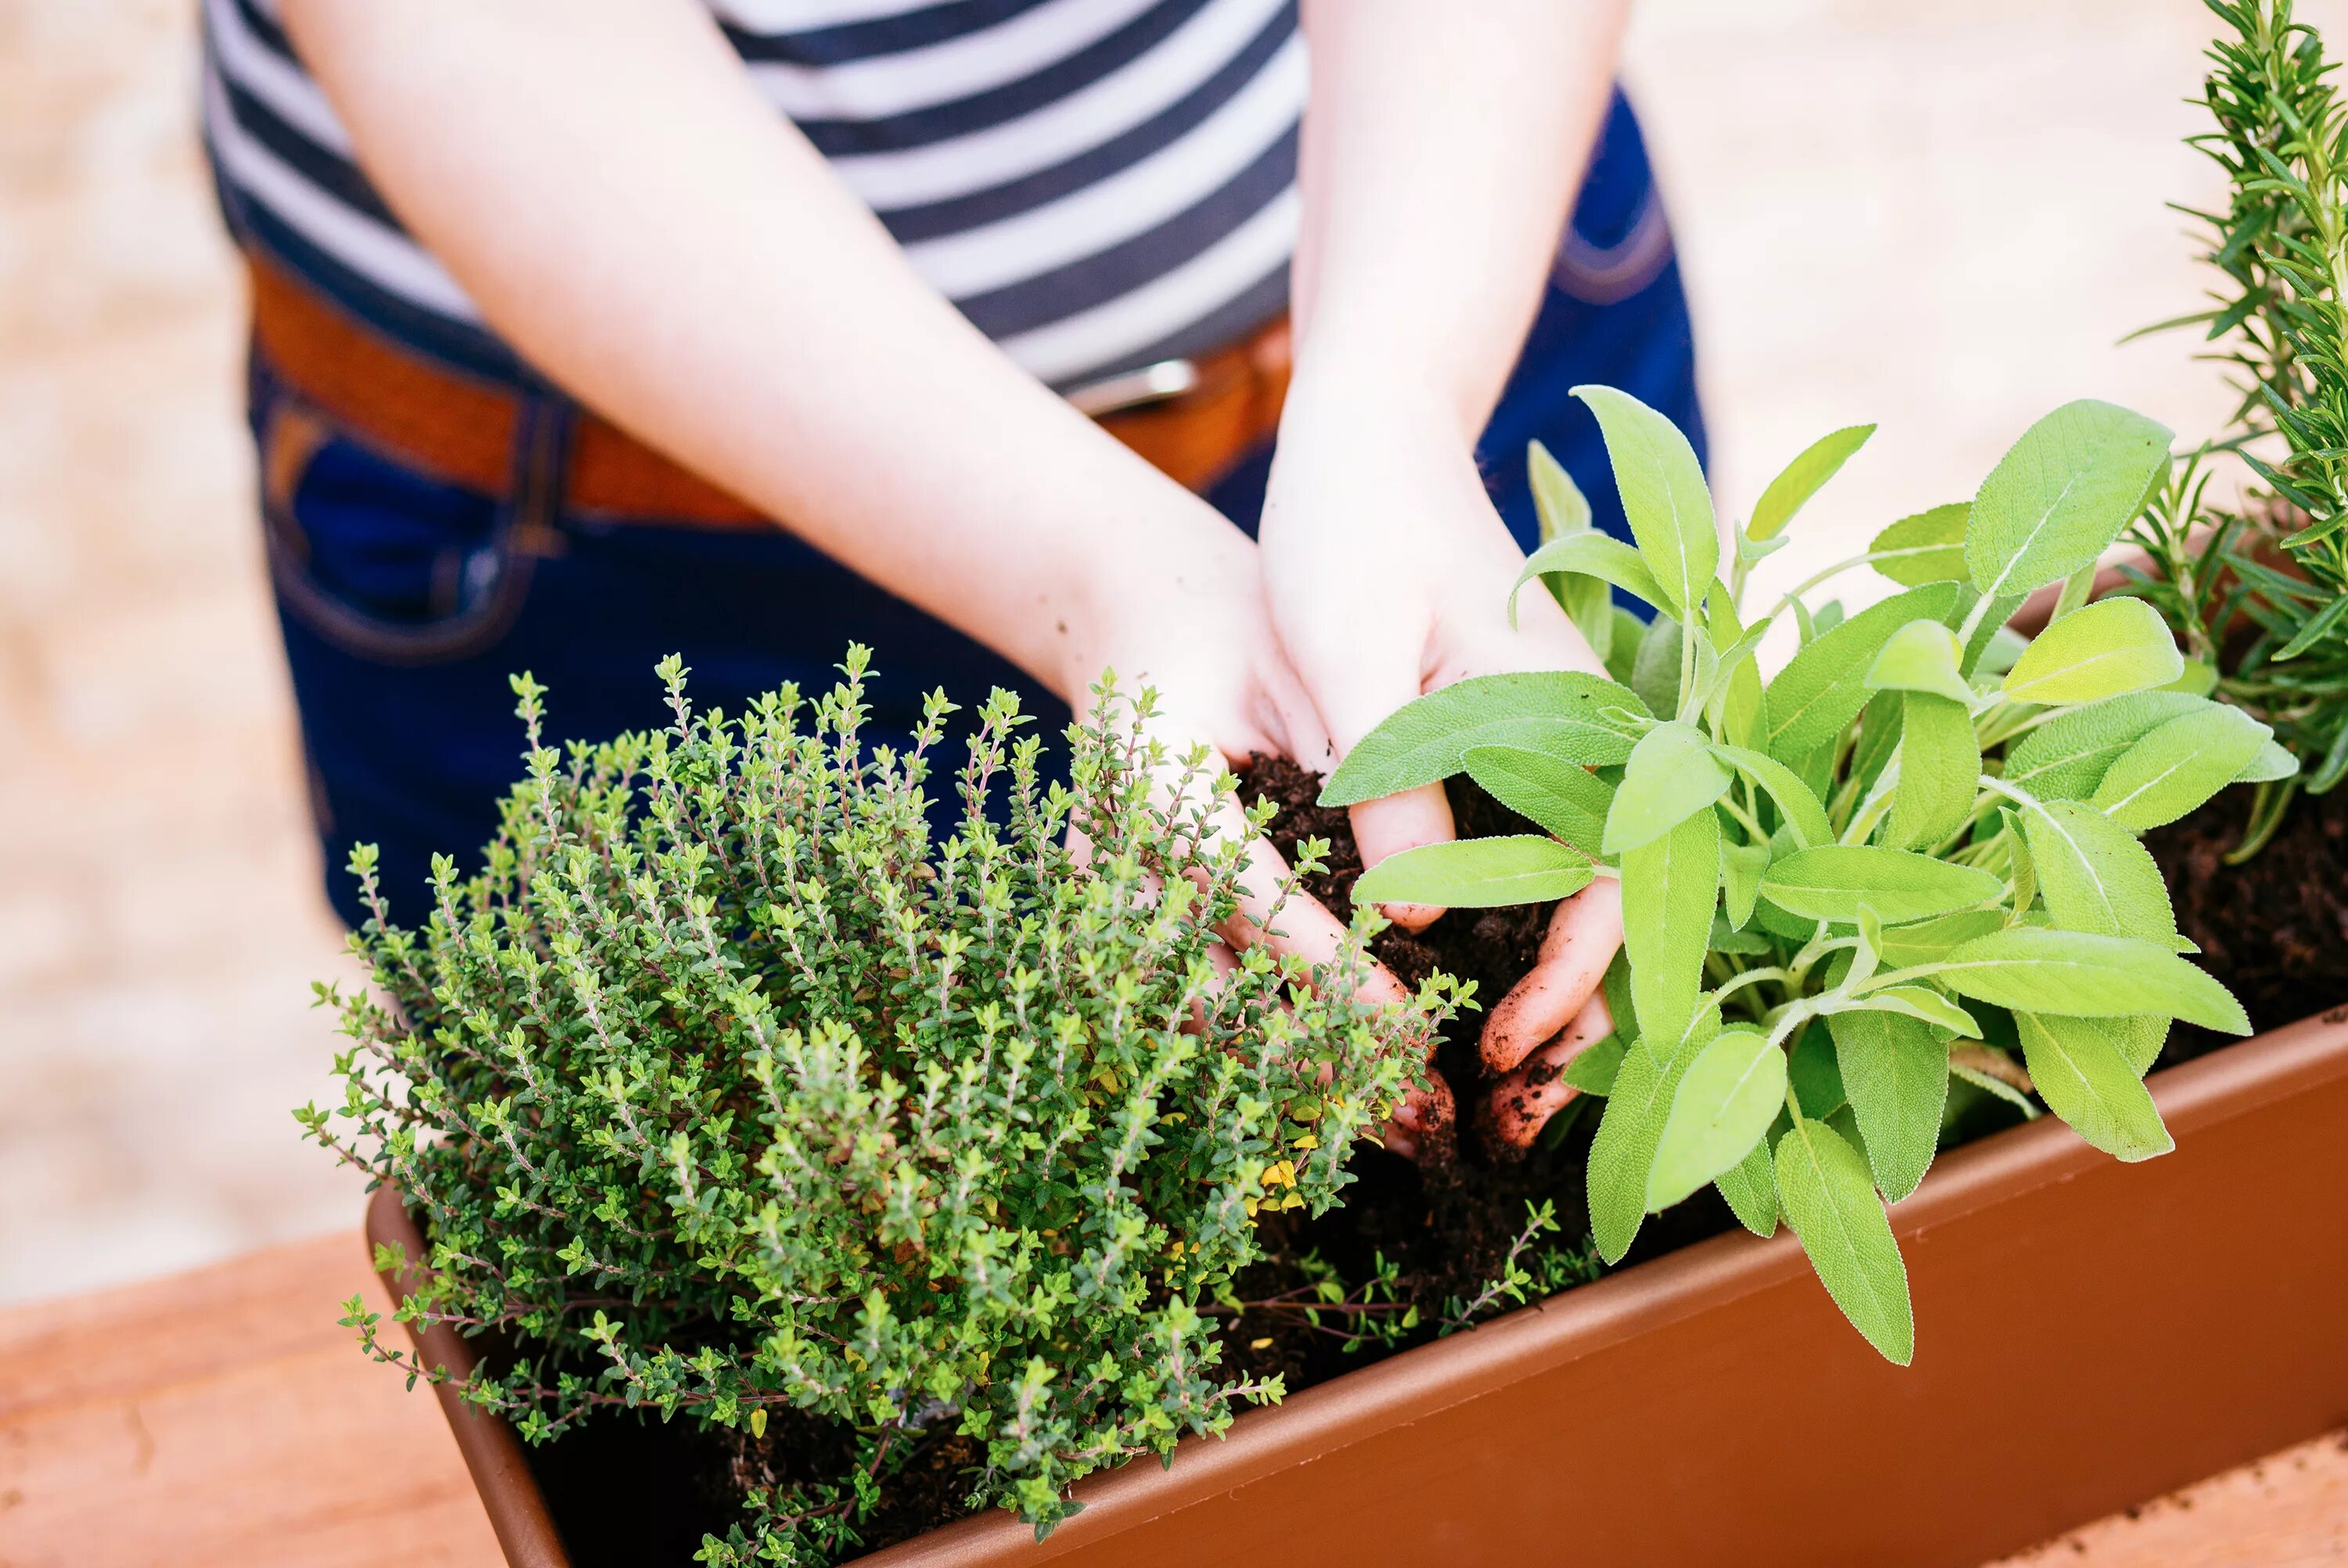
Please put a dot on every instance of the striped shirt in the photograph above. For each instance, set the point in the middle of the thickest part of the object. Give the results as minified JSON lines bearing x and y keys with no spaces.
{"x":1097,"y":184}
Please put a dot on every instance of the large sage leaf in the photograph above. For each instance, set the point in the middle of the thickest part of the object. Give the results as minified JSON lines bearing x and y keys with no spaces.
{"x":1669,"y":887}
{"x":2084,"y":1075}
{"x":1751,"y":1188}
{"x":2059,"y":497}
{"x":2067,"y":757}
{"x":1589,"y":554}
{"x":1476,"y":874}
{"x":1929,"y":547}
{"x":2103,"y":650}
{"x":2178,"y":765}
{"x":1664,"y":496}
{"x":1567,"y":800}
{"x":1802,"y":477}
{"x":1823,"y":687}
{"x":2095,"y":876}
{"x":1830,"y":882}
{"x":1940,"y":771}
{"x":1895,"y":1073}
{"x":1577,"y":717}
{"x":1624,"y":1149}
{"x":1670,"y":775}
{"x":1922,"y":656}
{"x":2077,"y":973}
{"x":1725,"y":1102}
{"x":1829,"y":1199}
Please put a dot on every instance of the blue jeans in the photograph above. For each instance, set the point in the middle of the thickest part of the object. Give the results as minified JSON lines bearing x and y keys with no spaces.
{"x":407,"y":602}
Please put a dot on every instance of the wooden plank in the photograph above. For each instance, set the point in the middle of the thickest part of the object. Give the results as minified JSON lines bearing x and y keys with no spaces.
{"x":2287,"y":1511}
{"x":222,"y":1420}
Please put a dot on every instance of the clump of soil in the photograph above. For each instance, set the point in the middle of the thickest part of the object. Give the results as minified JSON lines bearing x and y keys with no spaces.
{"x":1446,"y":1225}
{"x":2275,"y":929}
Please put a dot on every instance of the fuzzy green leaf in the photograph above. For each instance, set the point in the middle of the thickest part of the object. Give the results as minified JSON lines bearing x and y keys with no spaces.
{"x":1814,"y":1071}
{"x":1830,"y":882}
{"x":1929,"y":547}
{"x":2095,"y":876}
{"x":2180,"y":766}
{"x":1669,"y":887}
{"x":1823,"y":687}
{"x":1939,"y":770}
{"x":2080,"y":975}
{"x":1895,"y":1073}
{"x":2060,"y":496}
{"x":1670,"y":775}
{"x":1589,"y":554}
{"x":2067,"y":757}
{"x":1802,"y":477}
{"x":1922,"y":656}
{"x":1742,"y":867}
{"x":1921,"y":1003}
{"x":1664,"y":496}
{"x":1725,"y":1102}
{"x":1924,"y":941}
{"x":1567,"y":800}
{"x":1476,"y":874}
{"x":1655,"y":666}
{"x":1796,"y":800}
{"x":2107,"y":649}
{"x":1594,"y":1071}
{"x":1566,"y":714}
{"x":2272,"y":763}
{"x":1624,"y":1149}
{"x":1559,"y":506}
{"x":2084,"y":1077}
{"x":1751,"y":1188}
{"x":1829,"y":1199}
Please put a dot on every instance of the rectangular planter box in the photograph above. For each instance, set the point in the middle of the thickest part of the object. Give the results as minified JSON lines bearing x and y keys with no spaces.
{"x":2089,"y":1334}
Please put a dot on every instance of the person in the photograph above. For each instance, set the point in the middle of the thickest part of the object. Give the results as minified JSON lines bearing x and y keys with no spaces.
{"x":1056,"y":336}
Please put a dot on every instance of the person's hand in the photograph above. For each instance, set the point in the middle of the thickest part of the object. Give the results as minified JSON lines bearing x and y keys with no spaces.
{"x":1192,"y":625}
{"x":1387,"y":572}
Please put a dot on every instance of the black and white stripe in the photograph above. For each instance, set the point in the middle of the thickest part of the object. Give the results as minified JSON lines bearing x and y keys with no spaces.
{"x":1098,"y":184}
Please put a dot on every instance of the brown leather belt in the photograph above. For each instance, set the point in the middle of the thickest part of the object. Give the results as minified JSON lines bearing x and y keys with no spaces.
{"x":1191,"y":419}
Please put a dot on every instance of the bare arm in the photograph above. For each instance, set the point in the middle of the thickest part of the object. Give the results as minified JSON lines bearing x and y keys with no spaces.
{"x":1442,"y":151}
{"x":604,"y":179}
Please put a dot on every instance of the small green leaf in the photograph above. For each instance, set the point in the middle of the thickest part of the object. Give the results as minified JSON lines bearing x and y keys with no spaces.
{"x":1569,"y":801}
{"x":1724,"y":1103}
{"x":1751,"y":1188}
{"x":1924,"y":941}
{"x":1624,"y":645}
{"x":1559,"y":505}
{"x":2084,"y":1077}
{"x":1823,"y":687}
{"x":1929,"y":547}
{"x":1829,"y":1199}
{"x":1670,"y":775}
{"x":1815,"y":1072}
{"x":2067,"y":757}
{"x":1564,"y":712}
{"x":1742,"y":867}
{"x":1594,"y":1069}
{"x":1624,"y":1149}
{"x":2273,"y":761}
{"x":1476,"y":874}
{"x":1669,"y":887}
{"x":2062,"y":495}
{"x":1830,"y":882}
{"x":1803,"y":477}
{"x":1895,"y":1072}
{"x":2180,"y":766}
{"x":2107,"y":649}
{"x":1922,"y":656}
{"x":1664,"y":496}
{"x":1796,"y":800}
{"x":2080,"y":975}
{"x":1940,"y":771}
{"x":2317,"y":629}
{"x":2199,"y":679}
{"x":1921,"y":1003}
{"x":2095,"y":876}
{"x":1589,"y":554}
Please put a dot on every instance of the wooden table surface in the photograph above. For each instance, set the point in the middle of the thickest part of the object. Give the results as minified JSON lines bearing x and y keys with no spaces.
{"x":222,"y":1418}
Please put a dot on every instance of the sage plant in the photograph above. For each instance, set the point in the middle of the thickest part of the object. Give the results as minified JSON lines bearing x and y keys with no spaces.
{"x":722,"y":1093}
{"x":1908,"y":857}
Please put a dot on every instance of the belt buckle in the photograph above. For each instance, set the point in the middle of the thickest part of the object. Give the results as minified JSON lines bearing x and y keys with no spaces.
{"x":1159,"y":383}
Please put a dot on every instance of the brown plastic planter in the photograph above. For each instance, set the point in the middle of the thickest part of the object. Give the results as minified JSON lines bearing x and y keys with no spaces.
{"x":2088,"y":1334}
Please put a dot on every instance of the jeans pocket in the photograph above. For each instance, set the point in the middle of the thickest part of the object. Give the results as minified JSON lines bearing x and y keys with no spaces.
{"x":385,"y":563}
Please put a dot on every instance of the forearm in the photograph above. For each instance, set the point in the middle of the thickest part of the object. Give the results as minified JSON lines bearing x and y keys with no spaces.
{"x":602,"y":179}
{"x":1442,"y":148}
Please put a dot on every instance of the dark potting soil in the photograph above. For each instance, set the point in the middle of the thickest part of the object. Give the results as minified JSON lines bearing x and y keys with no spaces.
{"x":632,"y":1489}
{"x":2275,"y":929}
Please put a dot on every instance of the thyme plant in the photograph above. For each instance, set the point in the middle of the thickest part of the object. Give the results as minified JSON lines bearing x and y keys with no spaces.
{"x":2277,"y":564}
{"x":723,"y":1092}
{"x":1911,"y":856}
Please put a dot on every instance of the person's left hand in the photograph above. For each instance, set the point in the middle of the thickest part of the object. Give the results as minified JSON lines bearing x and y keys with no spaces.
{"x":1388,"y":571}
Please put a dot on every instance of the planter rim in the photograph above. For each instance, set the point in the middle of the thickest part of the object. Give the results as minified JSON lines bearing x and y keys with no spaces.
{"x":2230,"y":1082}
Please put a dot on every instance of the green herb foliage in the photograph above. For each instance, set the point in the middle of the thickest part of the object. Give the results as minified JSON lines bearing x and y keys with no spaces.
{"x":2259,"y":592}
{"x":722,"y":1092}
{"x":1842,"y":885}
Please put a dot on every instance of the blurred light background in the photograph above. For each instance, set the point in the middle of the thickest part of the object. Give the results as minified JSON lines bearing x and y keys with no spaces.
{"x":1941,"y":218}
